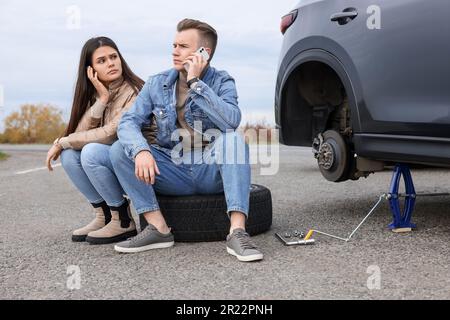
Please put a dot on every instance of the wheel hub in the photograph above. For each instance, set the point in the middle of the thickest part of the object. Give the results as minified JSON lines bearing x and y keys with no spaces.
{"x":326,"y":156}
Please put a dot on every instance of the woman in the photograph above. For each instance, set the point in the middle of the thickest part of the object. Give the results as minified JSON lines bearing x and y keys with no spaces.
{"x":105,"y":88}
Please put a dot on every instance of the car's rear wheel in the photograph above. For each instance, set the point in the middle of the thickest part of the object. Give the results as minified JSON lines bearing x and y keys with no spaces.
{"x":334,"y":156}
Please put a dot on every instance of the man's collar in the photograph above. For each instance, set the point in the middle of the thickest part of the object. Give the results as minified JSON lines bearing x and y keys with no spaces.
{"x":174,"y":74}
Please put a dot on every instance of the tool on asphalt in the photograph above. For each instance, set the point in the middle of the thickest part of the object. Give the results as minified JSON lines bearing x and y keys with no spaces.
{"x":293,"y":238}
{"x":287,"y":238}
{"x":402,"y":219}
{"x":312,"y":231}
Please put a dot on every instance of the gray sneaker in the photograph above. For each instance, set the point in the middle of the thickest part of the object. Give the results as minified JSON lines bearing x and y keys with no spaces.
{"x":240,"y":245}
{"x":147,"y":239}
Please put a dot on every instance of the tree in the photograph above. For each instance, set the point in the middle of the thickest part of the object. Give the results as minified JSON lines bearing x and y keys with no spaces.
{"x":33,"y":124}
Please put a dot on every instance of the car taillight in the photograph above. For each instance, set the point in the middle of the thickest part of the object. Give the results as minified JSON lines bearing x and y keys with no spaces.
{"x":288,"y":20}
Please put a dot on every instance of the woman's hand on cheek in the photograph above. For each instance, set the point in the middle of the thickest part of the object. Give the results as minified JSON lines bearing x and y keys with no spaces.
{"x":102,"y":91}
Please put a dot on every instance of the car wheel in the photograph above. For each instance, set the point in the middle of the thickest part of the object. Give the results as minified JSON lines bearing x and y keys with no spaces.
{"x":203,"y":217}
{"x":334,"y":157}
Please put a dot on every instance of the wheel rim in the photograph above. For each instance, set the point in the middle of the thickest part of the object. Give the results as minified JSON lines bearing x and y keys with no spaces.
{"x":326,"y":156}
{"x":333,"y":157}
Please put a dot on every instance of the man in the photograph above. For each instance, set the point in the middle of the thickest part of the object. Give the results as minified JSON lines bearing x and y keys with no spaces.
{"x":172,"y":109}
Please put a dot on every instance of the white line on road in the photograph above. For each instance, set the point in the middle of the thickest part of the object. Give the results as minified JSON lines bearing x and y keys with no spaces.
{"x":37,"y":169}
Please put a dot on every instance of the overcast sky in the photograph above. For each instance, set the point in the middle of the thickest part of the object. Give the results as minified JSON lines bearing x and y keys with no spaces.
{"x":41,"y":43}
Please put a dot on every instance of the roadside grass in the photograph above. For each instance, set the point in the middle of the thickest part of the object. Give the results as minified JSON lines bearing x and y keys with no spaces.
{"x":3,"y":156}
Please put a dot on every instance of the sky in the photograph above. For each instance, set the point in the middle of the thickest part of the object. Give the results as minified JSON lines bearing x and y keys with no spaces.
{"x":41,"y":41}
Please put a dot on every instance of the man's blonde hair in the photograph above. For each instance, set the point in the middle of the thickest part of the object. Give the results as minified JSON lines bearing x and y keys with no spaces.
{"x":208,"y":35}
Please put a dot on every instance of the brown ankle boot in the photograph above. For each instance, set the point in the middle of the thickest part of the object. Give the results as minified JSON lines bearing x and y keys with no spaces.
{"x":99,"y":222}
{"x":120,"y":228}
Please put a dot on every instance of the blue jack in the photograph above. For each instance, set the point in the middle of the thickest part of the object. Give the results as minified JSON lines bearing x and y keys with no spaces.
{"x":402,"y":220}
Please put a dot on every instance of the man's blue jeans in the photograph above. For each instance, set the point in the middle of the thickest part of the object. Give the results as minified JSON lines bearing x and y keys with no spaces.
{"x":92,"y":173}
{"x":218,"y":171}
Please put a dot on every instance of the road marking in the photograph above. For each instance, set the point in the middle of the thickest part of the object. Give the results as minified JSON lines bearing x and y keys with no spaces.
{"x":37,"y":169}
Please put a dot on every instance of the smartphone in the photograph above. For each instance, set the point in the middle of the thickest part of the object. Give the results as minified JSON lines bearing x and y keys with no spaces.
{"x":204,"y":54}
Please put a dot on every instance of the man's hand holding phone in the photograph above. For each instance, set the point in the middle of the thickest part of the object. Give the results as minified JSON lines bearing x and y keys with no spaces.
{"x":145,"y":167}
{"x":196,"y":63}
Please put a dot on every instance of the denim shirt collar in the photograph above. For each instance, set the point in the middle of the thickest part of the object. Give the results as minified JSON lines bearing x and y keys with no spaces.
{"x":172,"y":77}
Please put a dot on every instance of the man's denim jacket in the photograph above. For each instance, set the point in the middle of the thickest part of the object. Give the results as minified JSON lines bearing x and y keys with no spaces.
{"x":213,"y":102}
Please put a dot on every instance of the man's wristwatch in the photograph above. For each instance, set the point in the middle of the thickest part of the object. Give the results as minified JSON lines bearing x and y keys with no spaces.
{"x":192,"y":81}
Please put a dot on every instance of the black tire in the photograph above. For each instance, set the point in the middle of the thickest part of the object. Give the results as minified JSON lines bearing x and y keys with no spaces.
{"x":203,"y":217}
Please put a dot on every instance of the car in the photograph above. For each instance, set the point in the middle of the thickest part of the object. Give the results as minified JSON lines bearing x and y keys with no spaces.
{"x":366,"y":84}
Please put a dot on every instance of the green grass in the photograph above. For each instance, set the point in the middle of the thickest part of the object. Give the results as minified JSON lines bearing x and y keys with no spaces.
{"x":3,"y":156}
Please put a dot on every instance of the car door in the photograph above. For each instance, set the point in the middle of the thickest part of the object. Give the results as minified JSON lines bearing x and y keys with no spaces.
{"x":400,"y":50}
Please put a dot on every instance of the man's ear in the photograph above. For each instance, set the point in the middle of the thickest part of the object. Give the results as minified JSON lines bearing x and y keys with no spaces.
{"x":208,"y":50}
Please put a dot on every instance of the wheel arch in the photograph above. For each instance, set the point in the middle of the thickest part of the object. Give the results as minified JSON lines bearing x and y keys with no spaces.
{"x":291,"y":66}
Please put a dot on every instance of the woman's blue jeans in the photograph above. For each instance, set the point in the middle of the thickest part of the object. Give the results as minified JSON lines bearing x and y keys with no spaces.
{"x":92,"y":173}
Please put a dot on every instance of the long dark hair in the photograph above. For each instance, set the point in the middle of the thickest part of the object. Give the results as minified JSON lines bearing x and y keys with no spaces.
{"x":84,"y":90}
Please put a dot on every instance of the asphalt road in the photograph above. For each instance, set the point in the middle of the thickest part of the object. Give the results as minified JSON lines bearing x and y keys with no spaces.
{"x":39,"y":210}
